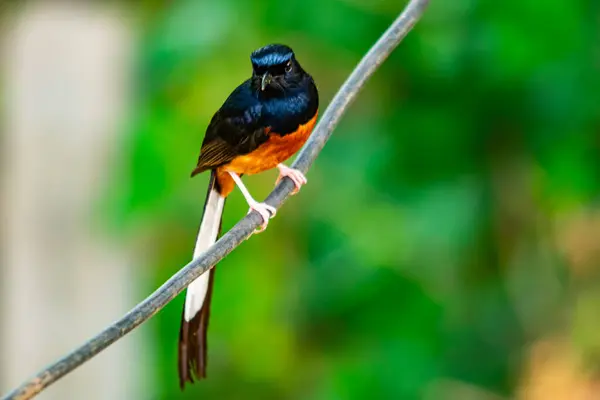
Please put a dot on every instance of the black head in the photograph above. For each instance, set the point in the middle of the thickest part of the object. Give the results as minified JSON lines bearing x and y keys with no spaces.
{"x":275,"y":70}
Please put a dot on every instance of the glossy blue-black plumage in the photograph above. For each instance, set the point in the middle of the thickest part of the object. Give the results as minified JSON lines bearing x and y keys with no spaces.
{"x":250,"y":114}
{"x":282,"y":114}
{"x":271,"y":55}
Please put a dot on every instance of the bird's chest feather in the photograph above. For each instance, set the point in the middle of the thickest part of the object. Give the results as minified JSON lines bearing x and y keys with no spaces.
{"x":277,"y":149}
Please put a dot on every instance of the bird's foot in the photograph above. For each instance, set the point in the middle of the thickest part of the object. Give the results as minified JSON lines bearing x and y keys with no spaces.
{"x":266,"y":212}
{"x":295,"y":175}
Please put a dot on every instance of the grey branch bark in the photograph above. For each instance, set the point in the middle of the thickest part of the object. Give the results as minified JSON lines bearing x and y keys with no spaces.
{"x":243,"y":229}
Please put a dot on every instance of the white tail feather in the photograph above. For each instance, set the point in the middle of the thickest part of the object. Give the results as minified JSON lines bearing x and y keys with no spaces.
{"x":207,"y":235}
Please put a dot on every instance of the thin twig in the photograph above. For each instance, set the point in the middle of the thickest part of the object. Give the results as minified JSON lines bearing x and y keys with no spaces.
{"x":243,"y":229}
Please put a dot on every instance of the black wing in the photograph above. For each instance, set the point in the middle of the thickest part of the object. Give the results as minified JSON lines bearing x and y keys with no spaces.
{"x":236,"y":129}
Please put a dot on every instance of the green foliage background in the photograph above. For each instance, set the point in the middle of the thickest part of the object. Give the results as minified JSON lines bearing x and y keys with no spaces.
{"x":432,"y":242}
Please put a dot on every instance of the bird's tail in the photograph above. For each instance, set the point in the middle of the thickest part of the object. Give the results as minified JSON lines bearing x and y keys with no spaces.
{"x":196,"y":310}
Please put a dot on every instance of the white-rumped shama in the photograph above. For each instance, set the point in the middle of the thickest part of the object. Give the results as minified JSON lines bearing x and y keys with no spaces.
{"x":263,"y":122}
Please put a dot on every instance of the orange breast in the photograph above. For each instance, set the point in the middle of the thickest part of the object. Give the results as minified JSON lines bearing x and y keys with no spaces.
{"x":275,"y":150}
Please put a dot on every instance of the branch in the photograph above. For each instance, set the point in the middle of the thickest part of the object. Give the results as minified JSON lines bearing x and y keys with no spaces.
{"x":243,"y":229}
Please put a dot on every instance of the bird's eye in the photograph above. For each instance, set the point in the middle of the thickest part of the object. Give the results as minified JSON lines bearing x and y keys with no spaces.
{"x":288,"y":67}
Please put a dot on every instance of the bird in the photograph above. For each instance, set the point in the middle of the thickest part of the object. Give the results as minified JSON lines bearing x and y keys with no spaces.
{"x":262,"y":123}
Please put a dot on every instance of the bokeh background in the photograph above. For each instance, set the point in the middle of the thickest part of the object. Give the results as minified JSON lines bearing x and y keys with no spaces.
{"x":446,"y":247}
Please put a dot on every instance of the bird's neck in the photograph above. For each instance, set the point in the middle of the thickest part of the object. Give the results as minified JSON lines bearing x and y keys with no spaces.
{"x":284,"y":114}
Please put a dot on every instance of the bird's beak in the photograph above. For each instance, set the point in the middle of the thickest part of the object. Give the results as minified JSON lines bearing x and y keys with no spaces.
{"x":266,"y":80}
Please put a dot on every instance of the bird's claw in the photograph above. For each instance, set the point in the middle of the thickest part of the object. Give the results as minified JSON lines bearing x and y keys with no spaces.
{"x":266,"y":212}
{"x":295,"y":175}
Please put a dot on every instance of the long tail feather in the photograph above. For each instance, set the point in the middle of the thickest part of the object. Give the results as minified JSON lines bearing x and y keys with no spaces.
{"x":196,"y":310}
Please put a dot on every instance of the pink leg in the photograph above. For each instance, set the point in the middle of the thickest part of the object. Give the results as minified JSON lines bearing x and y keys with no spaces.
{"x":266,"y":211}
{"x":296,"y":176}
